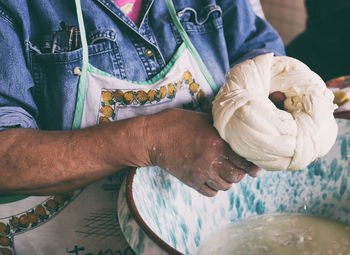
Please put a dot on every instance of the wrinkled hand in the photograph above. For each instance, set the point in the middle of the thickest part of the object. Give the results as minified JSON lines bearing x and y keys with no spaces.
{"x":278,"y":98}
{"x":186,"y":144}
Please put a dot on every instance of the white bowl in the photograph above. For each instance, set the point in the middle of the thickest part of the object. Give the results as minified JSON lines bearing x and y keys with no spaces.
{"x":160,"y":215}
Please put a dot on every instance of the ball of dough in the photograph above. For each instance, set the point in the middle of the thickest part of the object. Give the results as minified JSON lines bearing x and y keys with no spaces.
{"x":257,"y":130}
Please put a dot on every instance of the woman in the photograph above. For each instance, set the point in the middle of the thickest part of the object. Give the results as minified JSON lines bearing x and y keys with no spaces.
{"x":87,"y":91}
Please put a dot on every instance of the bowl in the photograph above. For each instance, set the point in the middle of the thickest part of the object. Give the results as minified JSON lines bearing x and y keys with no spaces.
{"x":160,"y":215}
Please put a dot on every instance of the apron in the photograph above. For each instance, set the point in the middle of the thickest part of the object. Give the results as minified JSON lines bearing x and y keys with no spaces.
{"x":85,"y":221}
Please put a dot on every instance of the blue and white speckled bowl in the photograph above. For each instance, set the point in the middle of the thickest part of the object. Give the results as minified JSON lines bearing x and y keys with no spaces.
{"x":160,"y":215}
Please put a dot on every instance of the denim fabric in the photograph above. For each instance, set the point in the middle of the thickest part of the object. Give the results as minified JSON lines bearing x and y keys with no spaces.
{"x":38,"y":85}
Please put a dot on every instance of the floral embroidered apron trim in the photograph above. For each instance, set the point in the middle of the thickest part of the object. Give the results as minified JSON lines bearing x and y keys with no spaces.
{"x":87,"y":67}
{"x":190,"y":46}
{"x":82,"y":218}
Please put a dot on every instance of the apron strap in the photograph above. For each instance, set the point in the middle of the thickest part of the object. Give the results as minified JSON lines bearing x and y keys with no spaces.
{"x":190,"y":46}
{"x":83,"y":77}
{"x":82,"y":35}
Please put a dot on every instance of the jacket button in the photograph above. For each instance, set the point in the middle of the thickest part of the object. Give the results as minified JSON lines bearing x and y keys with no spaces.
{"x":77,"y":70}
{"x":148,"y":52}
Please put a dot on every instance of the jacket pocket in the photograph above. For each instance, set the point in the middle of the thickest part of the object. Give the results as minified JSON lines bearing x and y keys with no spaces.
{"x":204,"y":20}
{"x":103,"y":54}
{"x":56,"y":75}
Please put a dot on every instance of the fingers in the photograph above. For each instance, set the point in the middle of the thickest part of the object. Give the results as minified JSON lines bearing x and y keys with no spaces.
{"x":210,"y":188}
{"x":278,"y":98}
{"x":219,"y":184}
{"x":227,"y":173}
{"x":232,"y":174}
{"x":207,"y":191}
{"x":223,"y":172}
{"x":244,"y":165}
{"x":254,"y":171}
{"x":214,"y":183}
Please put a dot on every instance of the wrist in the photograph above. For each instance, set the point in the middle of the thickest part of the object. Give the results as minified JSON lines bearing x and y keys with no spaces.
{"x":159,"y":130}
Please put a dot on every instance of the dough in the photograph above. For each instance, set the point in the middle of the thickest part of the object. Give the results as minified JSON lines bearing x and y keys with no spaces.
{"x":257,"y":130}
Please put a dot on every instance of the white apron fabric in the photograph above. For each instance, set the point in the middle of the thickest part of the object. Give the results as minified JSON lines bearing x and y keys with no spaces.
{"x":85,"y":221}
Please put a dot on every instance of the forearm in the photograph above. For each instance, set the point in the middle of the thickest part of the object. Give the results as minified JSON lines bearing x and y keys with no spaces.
{"x":43,"y":162}
{"x":183,"y":142}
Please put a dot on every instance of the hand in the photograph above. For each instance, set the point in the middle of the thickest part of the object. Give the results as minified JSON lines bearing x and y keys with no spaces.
{"x":278,"y":98}
{"x":186,"y":144}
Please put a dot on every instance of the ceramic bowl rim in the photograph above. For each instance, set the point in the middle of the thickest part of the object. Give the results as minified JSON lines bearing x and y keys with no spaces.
{"x":138,"y":218}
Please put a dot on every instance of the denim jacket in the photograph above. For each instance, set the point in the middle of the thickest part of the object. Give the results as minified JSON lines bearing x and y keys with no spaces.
{"x":39,"y":68}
